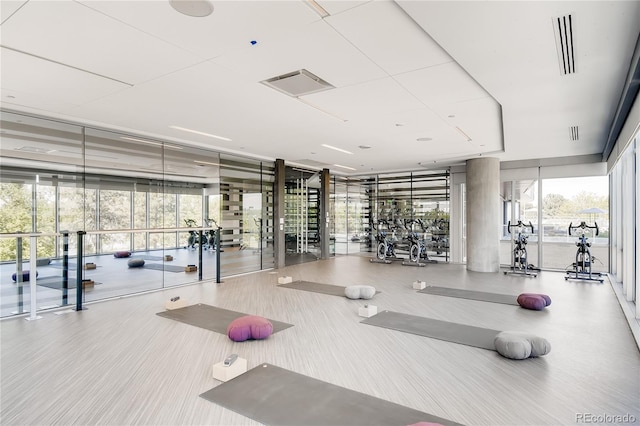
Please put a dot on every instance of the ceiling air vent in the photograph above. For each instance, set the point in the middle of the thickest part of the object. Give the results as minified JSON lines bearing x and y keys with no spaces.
{"x":298,"y":83}
{"x":563,"y":29}
{"x":574,"y":133}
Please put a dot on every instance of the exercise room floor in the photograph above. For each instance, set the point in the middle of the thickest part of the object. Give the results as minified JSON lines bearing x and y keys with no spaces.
{"x":119,"y":363}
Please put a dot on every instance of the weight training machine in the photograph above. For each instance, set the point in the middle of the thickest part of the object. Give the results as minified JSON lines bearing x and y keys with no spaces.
{"x":519,"y":261}
{"x":584,"y":259}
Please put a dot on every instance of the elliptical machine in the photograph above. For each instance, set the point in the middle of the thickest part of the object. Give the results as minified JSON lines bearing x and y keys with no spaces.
{"x":519,"y":261}
{"x":582,"y":266}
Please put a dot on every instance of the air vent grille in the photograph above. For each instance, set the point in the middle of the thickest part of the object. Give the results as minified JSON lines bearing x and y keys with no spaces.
{"x":298,"y":83}
{"x":563,"y":29}
{"x":574,"y":133}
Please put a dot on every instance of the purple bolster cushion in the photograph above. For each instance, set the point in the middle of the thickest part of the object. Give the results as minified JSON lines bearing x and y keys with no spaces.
{"x":249,"y":327}
{"x":122,"y":254}
{"x":25,"y":276}
{"x":534,"y":301}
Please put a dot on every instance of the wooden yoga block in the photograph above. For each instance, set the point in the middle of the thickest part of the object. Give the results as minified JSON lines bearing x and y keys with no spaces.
{"x":285,"y":280}
{"x":89,"y":265}
{"x":227,"y":372}
{"x":190,"y":268}
{"x":419,"y":285}
{"x":367,"y":311}
{"x":177,"y":304}
{"x":87,"y":284}
{"x":168,"y":258}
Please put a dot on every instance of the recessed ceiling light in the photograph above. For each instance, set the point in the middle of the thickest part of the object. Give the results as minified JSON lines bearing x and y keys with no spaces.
{"x":466,"y":136}
{"x":399,"y":124}
{"x":150,"y":142}
{"x":424,"y":139}
{"x":344,"y":167}
{"x":451,"y":116}
{"x":364,"y":146}
{"x":337,"y":149}
{"x":11,"y":97}
{"x":317,"y":8}
{"x":206,"y":162}
{"x":197,"y":132}
{"x":194,"y":8}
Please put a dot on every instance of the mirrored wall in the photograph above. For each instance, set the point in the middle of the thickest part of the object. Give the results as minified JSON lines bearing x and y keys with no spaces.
{"x":148,"y":211}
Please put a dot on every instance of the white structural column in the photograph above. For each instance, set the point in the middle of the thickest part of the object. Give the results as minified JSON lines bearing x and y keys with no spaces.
{"x":483,"y":214}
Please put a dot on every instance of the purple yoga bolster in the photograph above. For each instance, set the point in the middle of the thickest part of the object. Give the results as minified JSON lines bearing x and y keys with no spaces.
{"x":25,"y":276}
{"x":546,"y":298}
{"x":249,"y":327}
{"x":532,"y":301}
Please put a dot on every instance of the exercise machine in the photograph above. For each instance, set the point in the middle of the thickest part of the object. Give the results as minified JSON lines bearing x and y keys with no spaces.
{"x":584,"y":259}
{"x":209,"y":236}
{"x":385,"y":249}
{"x":194,"y":239}
{"x":519,"y":261}
{"x":417,"y":245}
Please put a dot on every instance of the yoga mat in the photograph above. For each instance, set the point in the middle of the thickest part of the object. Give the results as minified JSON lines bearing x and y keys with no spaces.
{"x":275,"y":396}
{"x":149,"y":257}
{"x":334,"y":290}
{"x":72,"y":265}
{"x":163,"y":267}
{"x":507,"y":299}
{"x":56,"y":283}
{"x":442,"y":330}
{"x":211,"y":317}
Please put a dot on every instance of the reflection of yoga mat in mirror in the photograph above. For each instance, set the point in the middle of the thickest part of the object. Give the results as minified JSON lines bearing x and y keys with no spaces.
{"x":333,"y":290}
{"x":507,"y":299}
{"x":212,"y":318}
{"x":163,"y":267}
{"x":441,"y":330}
{"x":56,"y":282}
{"x":275,"y":396}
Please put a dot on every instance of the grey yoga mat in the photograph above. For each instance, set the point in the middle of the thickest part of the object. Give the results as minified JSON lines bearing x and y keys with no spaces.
{"x":334,"y":290}
{"x":211,"y":317}
{"x":163,"y":267}
{"x":442,"y":330}
{"x":272,"y":395}
{"x":507,"y":299}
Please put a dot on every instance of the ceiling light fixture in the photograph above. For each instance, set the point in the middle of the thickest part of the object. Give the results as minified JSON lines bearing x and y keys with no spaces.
{"x":424,"y":139}
{"x":317,"y":8}
{"x":200,"y":133}
{"x":337,"y":149}
{"x":466,"y":136}
{"x":150,"y":142}
{"x":364,"y":146}
{"x":194,"y":8}
{"x":344,"y":167}
{"x":206,"y":162}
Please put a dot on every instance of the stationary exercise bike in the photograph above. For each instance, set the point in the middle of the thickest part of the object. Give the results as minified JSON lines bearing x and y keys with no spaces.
{"x":210,"y":235}
{"x":519,"y":261}
{"x":584,"y":259}
{"x":385,"y":244}
{"x":194,"y":239}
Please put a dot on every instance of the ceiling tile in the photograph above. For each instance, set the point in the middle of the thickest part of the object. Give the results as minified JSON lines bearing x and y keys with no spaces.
{"x":389,"y":37}
{"x":51,"y":81}
{"x":231,"y":26}
{"x":317,"y":48}
{"x":73,"y":34}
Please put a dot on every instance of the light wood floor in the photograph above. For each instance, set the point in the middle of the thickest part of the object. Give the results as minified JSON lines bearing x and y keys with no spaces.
{"x":118,"y":363}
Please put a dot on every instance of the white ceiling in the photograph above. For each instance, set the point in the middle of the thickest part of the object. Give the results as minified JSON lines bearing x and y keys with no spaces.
{"x":402,"y":71}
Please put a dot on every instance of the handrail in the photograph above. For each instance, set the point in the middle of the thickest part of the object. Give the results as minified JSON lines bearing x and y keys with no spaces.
{"x":106,"y":231}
